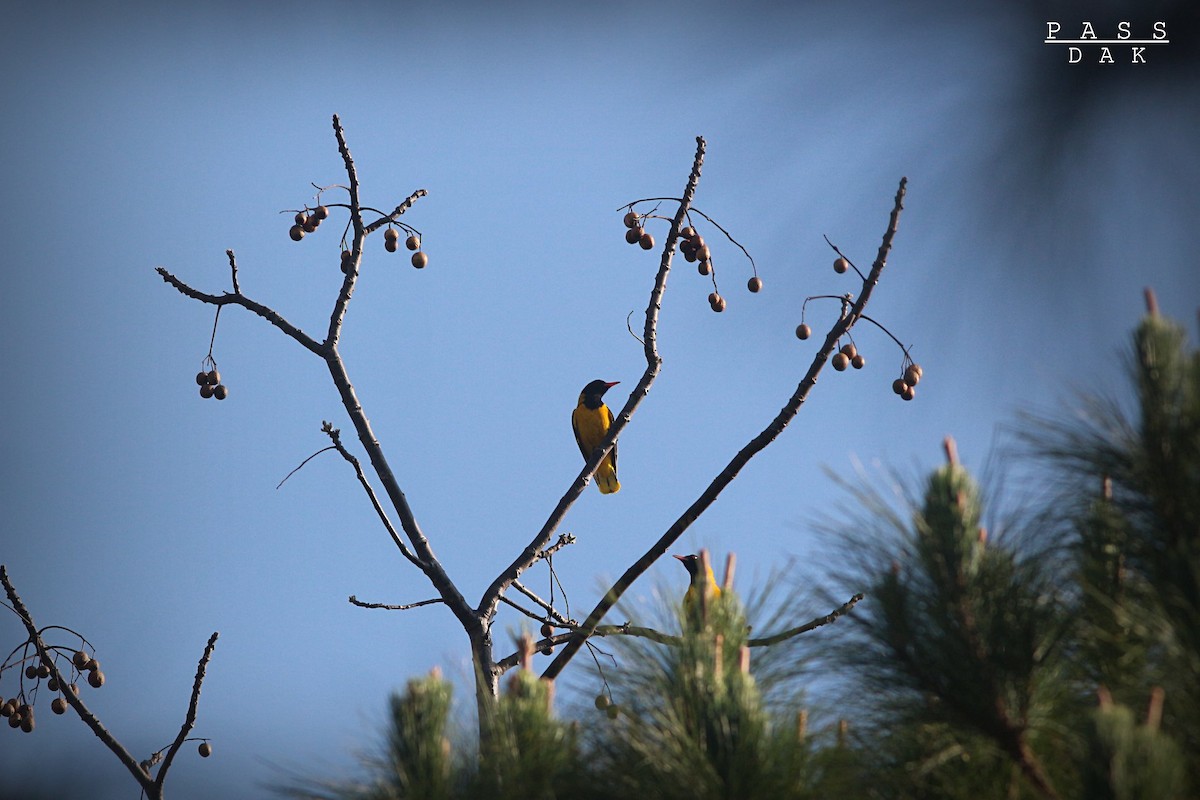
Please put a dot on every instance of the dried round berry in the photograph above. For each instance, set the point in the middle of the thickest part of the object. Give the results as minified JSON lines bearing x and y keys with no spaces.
{"x":703,"y":253}
{"x":909,"y":393}
{"x":220,"y":392}
{"x":630,"y":220}
{"x":412,"y":243}
{"x":613,"y":711}
{"x":300,"y":217}
{"x":689,"y":254}
{"x":296,"y":232}
{"x":96,"y":679}
{"x":688,"y":233}
{"x":840,"y":265}
{"x":214,"y":378}
{"x":803,"y":331}
{"x":420,"y":259}
{"x":602,"y":702}
{"x":390,"y":245}
{"x":14,"y":721}
{"x":646,"y":241}
{"x":704,"y":267}
{"x":547,"y":650}
{"x":697,"y":242}
{"x":898,"y":386}
{"x":320,"y":212}
{"x":43,"y":671}
{"x":392,"y":235}
{"x":718,"y":304}
{"x":5,"y":709}
{"x":81,"y":658}
{"x":849,"y":349}
{"x":310,"y":224}
{"x":754,"y":284}
{"x":546,"y":630}
{"x":201,"y":379}
{"x":858,"y":362}
{"x":633,"y":235}
{"x":205,"y":749}
{"x":27,"y":723}
{"x":206,"y":391}
{"x":58,"y":705}
{"x":912,"y":375}
{"x":31,"y":672}
{"x":52,"y":684}
{"x":840,"y":361}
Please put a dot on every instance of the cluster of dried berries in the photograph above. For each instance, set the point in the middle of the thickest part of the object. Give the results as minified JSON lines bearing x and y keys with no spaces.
{"x":604,"y":703}
{"x":391,"y":243}
{"x":20,"y":713}
{"x":906,"y":384}
{"x":210,"y":384}
{"x":636,"y":234}
{"x":847,"y":356}
{"x":307,"y":222}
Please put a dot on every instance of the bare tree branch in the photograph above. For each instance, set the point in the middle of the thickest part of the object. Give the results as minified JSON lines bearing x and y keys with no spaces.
{"x":743,"y":456}
{"x":487,"y":604}
{"x":355,"y":601}
{"x":551,"y":610}
{"x":832,"y":616}
{"x":189,"y":721}
{"x":396,"y":212}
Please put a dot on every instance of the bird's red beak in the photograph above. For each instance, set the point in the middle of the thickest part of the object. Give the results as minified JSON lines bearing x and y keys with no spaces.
{"x":610,"y":385}
{"x":681,"y":558}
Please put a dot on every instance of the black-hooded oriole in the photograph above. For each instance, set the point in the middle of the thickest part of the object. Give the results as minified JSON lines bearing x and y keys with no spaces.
{"x":591,"y":420}
{"x":699,"y":583}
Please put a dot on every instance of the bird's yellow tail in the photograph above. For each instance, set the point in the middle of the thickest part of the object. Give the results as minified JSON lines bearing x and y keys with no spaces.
{"x":606,"y":477}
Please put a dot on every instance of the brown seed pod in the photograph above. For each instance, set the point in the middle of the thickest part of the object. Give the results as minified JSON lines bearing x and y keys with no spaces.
{"x":390,"y":245}
{"x":898,"y":386}
{"x":688,"y":233}
{"x":43,"y":671}
{"x":704,"y":267}
{"x":754,"y":284}
{"x":412,"y":243}
{"x":849,"y":349}
{"x":310,"y":224}
{"x":14,"y":719}
{"x":858,"y":362}
{"x":300,"y":217}
{"x":646,"y":241}
{"x":912,"y":375}
{"x":296,"y":232}
{"x":213,"y":378}
{"x":602,"y":702}
{"x":31,"y":671}
{"x":6,"y":709}
{"x":630,"y":220}
{"x":27,"y":721}
{"x":717,"y":302}
{"x":420,"y":259}
{"x":391,"y":234}
{"x":320,"y":212}
{"x":803,"y":331}
{"x":205,"y":749}
{"x":689,"y":254}
{"x":201,"y":379}
{"x":909,"y":393}
{"x":697,"y":242}
{"x":58,"y":705}
{"x":80,"y":659}
{"x":840,"y":361}
{"x":703,"y":253}
{"x":840,"y":265}
{"x":52,"y":684}
{"x":92,"y":665}
{"x":633,"y":235}
{"x":96,"y":679}
{"x":547,"y":650}
{"x":546,"y":630}
{"x":613,"y":711}
{"x":220,"y":392}
{"x":206,"y":391}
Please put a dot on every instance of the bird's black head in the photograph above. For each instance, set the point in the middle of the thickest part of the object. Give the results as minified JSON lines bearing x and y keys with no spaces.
{"x":594,"y":391}
{"x":691,"y":562}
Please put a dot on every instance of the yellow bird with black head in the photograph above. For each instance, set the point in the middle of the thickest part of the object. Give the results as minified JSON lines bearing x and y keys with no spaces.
{"x":591,"y":420}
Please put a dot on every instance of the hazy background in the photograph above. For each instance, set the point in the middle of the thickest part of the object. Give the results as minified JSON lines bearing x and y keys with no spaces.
{"x":1042,"y":198}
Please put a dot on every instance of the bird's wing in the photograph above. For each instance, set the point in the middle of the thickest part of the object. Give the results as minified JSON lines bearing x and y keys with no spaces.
{"x":578,"y":438}
{"x":608,"y":421}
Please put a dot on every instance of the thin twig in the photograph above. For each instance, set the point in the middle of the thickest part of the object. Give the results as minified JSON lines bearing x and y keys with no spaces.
{"x":832,"y":616}
{"x":233,"y":272}
{"x":388,"y":606}
{"x":521,"y":608}
{"x":547,"y":607}
{"x":397,"y":211}
{"x":302,"y":463}
{"x":743,"y":456}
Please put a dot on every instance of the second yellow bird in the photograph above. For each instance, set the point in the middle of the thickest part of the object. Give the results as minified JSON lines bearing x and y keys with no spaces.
{"x":706,"y":583}
{"x":591,"y":420}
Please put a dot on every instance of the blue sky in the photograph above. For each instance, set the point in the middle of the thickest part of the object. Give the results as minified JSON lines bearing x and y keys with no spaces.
{"x":152,"y":135}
